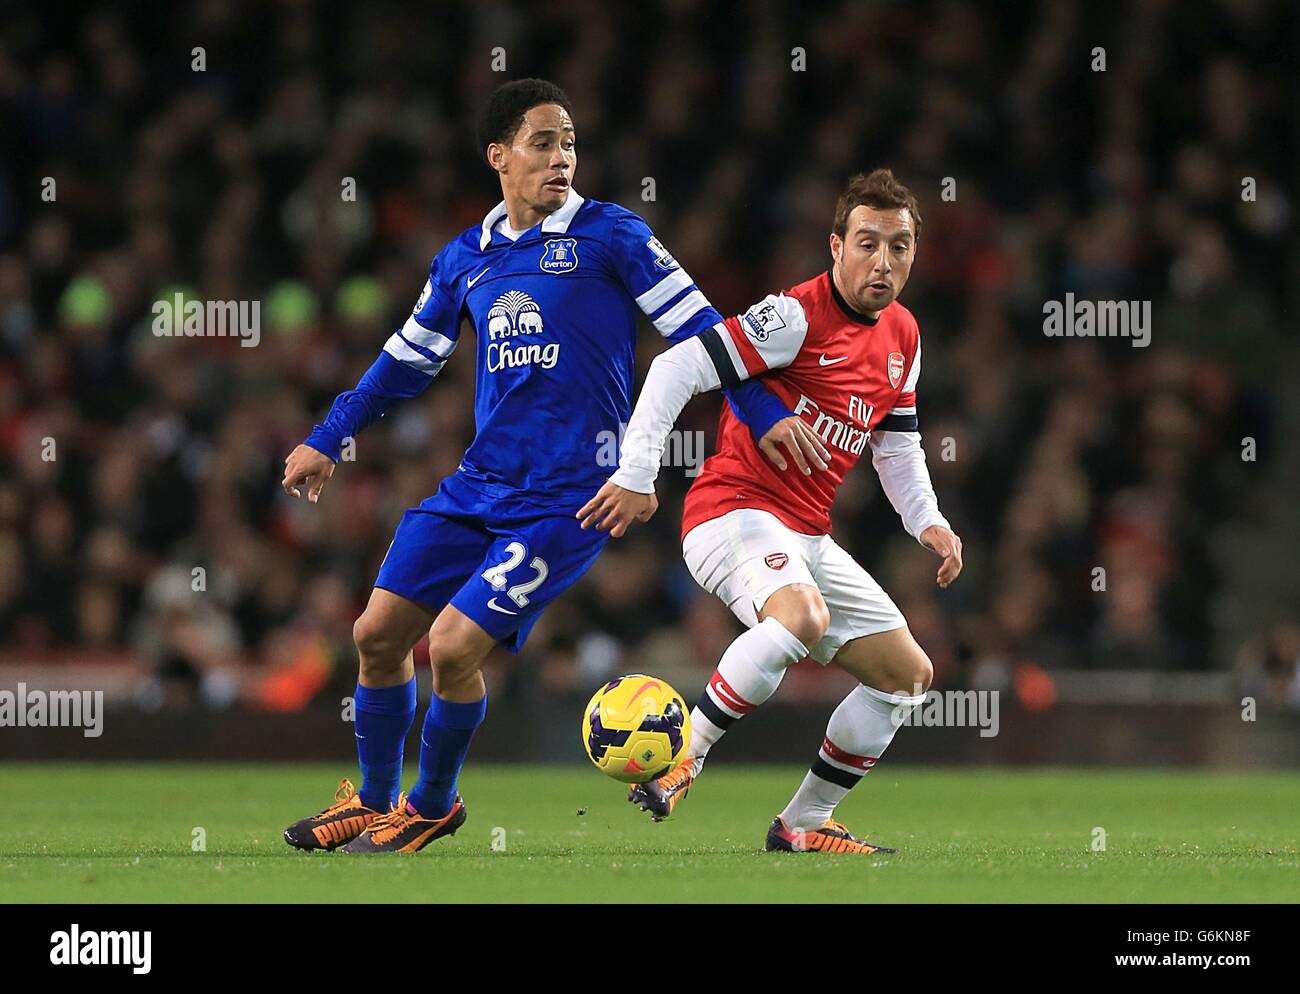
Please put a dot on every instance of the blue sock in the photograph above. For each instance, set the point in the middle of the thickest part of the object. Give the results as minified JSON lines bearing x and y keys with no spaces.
{"x":444,"y":744}
{"x":383,"y":717}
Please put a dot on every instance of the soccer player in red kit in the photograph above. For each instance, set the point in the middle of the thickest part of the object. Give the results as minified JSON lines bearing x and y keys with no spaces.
{"x":845,"y":356}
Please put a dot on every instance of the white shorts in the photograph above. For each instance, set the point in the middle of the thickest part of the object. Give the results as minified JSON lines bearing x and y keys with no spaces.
{"x":747,"y":555}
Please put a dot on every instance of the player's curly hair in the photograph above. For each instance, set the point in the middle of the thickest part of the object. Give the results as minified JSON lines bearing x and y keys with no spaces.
{"x":879,"y":189}
{"x":505,"y":109}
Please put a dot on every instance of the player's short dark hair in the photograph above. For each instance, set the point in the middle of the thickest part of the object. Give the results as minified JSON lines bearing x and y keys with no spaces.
{"x":879,"y":189}
{"x":504,"y":111}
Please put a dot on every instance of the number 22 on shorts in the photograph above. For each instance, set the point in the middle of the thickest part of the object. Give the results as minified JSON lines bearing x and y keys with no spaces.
{"x":496,"y":575}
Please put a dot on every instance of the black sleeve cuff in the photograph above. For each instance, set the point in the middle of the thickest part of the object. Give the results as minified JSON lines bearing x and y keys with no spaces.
{"x":898,"y":422}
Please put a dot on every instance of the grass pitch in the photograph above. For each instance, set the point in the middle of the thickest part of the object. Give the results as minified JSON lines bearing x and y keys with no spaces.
{"x":98,"y":833}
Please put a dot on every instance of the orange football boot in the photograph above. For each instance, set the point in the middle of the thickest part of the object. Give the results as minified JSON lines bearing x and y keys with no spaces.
{"x":660,"y":796}
{"x":831,"y":837}
{"x":404,"y":830}
{"x":337,"y":825}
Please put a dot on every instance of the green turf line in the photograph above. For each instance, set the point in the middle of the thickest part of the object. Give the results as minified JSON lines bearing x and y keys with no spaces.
{"x":99,"y":833}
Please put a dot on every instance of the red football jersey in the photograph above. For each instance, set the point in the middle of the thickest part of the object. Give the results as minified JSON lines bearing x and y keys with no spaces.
{"x":843,"y":373}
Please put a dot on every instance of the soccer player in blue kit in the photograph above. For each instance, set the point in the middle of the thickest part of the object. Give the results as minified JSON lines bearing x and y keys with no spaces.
{"x":552,"y":283}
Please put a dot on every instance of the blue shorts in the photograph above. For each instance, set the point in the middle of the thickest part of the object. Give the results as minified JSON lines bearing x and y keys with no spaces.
{"x":500,"y":563}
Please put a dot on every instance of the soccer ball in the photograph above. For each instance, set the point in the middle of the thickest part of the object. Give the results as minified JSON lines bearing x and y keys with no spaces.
{"x":636,"y":728}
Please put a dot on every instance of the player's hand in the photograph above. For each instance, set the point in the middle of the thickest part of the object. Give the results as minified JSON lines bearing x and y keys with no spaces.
{"x":613,"y":509}
{"x":795,"y":436}
{"x":305,"y":467}
{"x":944,"y":542}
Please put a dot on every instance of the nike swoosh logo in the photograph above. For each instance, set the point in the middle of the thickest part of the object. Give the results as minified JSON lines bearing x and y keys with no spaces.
{"x":493,"y":605}
{"x":652,"y":685}
{"x":823,"y":361}
{"x":469,"y":284}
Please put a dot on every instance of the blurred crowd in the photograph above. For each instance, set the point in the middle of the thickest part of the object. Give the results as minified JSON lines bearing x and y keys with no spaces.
{"x":140,"y":512}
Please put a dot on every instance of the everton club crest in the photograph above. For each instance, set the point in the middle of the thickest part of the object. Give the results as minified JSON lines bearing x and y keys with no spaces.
{"x":561,"y":255}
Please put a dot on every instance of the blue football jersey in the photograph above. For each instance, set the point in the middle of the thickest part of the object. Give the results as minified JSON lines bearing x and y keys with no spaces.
{"x":555,"y":316}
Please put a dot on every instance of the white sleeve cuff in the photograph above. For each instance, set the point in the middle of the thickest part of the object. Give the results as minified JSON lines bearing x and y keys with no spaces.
{"x":635,"y":478}
{"x":922,"y":524}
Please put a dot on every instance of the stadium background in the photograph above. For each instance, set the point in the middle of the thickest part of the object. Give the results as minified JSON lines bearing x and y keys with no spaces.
{"x":1070,"y":454}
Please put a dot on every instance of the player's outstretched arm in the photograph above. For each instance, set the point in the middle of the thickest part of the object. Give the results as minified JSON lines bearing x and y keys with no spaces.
{"x":387,"y":381}
{"x":679,"y":311}
{"x":411,"y":358}
{"x":719,"y":356}
{"x":675,"y":377}
{"x":384,"y":383}
{"x":615,"y":507}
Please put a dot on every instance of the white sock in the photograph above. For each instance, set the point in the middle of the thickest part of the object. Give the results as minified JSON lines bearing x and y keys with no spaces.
{"x":858,"y":733}
{"x":748,"y":674}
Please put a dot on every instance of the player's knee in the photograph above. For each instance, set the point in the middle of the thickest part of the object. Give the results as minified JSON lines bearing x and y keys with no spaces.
{"x":806,"y":617}
{"x":911,"y":672}
{"x":379,"y":650}
{"x":922,"y":672}
{"x":453,"y":659}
